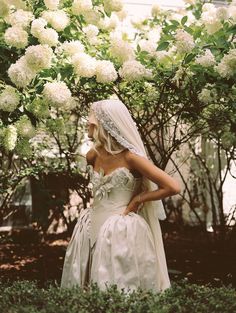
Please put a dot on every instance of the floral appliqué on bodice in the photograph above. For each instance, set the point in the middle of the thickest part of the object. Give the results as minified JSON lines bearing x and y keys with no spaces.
{"x":103,"y":184}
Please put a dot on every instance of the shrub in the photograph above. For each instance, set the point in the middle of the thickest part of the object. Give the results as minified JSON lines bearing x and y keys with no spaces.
{"x":182,"y":297}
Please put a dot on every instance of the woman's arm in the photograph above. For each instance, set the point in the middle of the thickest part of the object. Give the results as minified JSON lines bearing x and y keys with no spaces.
{"x":167,"y":185}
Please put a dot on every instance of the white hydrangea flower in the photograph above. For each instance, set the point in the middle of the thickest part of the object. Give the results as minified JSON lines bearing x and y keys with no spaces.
{"x":210,"y":20}
{"x":162,"y":57}
{"x":208,"y":7}
{"x":59,"y":20}
{"x":16,"y":36}
{"x":109,"y":23}
{"x":9,"y":99}
{"x":139,"y":22}
{"x":207,"y":95}
{"x":10,"y":137}
{"x":227,"y":66}
{"x":57,"y":93}
{"x":52,"y":4}
{"x":122,"y":15}
{"x":81,"y":6}
{"x":39,"y":57}
{"x":20,"y":73}
{"x":121,"y":49}
{"x":4,"y":8}
{"x":184,"y":41}
{"x":232,"y":12}
{"x":105,"y":72}
{"x":20,"y":18}
{"x":72,"y":47}
{"x":148,"y":45}
{"x":156,"y":10}
{"x":222,"y":13}
{"x":182,"y":77}
{"x":133,"y":70}
{"x":49,"y":37}
{"x":91,"y":31}
{"x":92,"y":17}
{"x":84,"y":65}
{"x":207,"y":59}
{"x":38,"y":107}
{"x":24,"y":127}
{"x":113,"y":5}
{"x":37,"y":26}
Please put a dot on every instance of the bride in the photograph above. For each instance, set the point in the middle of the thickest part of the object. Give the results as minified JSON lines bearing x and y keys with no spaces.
{"x":118,"y":240}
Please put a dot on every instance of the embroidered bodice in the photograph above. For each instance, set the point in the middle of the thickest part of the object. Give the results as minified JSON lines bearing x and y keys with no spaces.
{"x":112,"y":193}
{"x":120,"y":178}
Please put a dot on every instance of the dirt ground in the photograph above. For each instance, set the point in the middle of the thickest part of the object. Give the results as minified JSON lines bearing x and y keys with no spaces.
{"x":189,"y":254}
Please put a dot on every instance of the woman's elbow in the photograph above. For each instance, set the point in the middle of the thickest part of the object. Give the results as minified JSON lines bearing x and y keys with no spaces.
{"x":175,"y":189}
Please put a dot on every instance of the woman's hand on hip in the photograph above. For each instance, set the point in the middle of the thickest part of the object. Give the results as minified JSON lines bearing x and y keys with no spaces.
{"x":134,"y":205}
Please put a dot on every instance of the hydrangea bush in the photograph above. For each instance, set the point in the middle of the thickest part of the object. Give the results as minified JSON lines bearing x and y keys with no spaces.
{"x":56,"y":52}
{"x":58,"y":56}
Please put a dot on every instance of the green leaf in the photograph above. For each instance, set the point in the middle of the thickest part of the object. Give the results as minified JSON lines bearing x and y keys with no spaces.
{"x":174,"y":22}
{"x":162,"y":46}
{"x":184,"y":20}
{"x":232,"y":29}
{"x":189,"y":58}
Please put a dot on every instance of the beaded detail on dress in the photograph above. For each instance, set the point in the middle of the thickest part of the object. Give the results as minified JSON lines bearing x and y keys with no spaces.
{"x":103,"y":184}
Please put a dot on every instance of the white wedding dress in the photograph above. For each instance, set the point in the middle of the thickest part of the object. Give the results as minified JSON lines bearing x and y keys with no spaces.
{"x":108,"y":248}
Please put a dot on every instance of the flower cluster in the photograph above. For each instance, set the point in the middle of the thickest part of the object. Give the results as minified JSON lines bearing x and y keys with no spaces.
{"x":105,"y":72}
{"x":9,"y":99}
{"x":121,"y":49}
{"x":39,"y":57}
{"x":59,"y":20}
{"x":25,"y":69}
{"x":91,"y":32}
{"x":57,"y":93}
{"x":207,"y":95}
{"x":81,"y":6}
{"x":184,"y":41}
{"x":52,"y":4}
{"x":84,"y":65}
{"x":113,"y":5}
{"x":10,"y":137}
{"x":211,"y":17}
{"x":133,"y":70}
{"x":20,"y":18}
{"x":16,"y":36}
{"x":20,"y":73}
{"x":24,"y":127}
{"x":39,"y":108}
{"x":71,"y":47}
{"x":207,"y":59}
{"x":44,"y":35}
{"x":156,"y":10}
{"x":227,"y":66}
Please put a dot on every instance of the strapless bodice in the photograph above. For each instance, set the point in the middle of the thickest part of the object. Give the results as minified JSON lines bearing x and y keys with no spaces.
{"x":115,"y":188}
{"x":112,"y":194}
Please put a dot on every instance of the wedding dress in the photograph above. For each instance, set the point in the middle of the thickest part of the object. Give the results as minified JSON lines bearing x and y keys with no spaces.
{"x":108,"y":248}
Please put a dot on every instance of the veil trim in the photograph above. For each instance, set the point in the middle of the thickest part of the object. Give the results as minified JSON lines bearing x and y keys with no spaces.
{"x":111,"y":128}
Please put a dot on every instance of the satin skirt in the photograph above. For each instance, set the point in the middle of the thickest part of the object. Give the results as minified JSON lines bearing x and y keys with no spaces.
{"x":123,"y":254}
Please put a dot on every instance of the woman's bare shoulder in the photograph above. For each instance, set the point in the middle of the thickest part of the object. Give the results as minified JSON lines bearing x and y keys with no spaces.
{"x":91,"y":156}
{"x":130,"y":157}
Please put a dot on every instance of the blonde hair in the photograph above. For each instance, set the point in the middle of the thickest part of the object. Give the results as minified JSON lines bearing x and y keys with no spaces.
{"x":103,"y":139}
